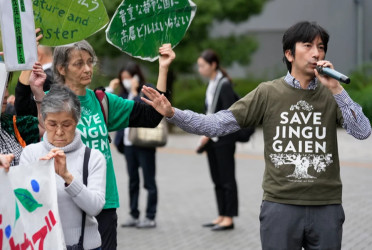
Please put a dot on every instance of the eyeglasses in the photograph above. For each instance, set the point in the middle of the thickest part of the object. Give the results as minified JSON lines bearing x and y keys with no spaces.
{"x":80,"y":64}
{"x":52,"y":126}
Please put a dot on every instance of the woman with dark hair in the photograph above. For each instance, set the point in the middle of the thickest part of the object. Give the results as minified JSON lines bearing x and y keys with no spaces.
{"x":125,"y":78}
{"x":220,"y":150}
{"x":130,"y":81}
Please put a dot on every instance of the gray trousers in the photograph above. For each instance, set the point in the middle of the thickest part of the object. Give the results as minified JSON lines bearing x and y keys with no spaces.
{"x":293,"y":227}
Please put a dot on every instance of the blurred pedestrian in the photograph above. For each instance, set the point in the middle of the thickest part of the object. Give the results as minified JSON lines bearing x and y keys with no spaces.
{"x":10,"y":110}
{"x":220,"y":150}
{"x":131,"y":80}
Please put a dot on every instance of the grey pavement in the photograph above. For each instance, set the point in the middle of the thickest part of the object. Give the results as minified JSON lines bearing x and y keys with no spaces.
{"x":186,"y":197}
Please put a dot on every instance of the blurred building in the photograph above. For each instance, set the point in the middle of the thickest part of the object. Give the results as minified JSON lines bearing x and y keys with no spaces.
{"x":348,"y":22}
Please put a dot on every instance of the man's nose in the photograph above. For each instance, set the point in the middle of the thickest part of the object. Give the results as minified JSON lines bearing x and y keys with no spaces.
{"x":316,"y":52}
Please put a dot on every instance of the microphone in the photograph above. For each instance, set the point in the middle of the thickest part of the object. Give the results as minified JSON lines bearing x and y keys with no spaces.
{"x":333,"y":73}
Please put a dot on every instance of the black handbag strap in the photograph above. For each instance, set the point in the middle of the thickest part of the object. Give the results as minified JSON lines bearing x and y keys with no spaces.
{"x":85,"y":181}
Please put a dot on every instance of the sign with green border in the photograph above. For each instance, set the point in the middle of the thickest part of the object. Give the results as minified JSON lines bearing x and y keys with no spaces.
{"x":140,"y":27}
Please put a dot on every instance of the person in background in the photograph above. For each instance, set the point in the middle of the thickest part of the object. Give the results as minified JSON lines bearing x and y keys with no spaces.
{"x":60,"y":111}
{"x":299,"y":114}
{"x":130,"y":81}
{"x":17,"y":131}
{"x":220,"y":150}
{"x":10,"y":110}
{"x":73,"y":66}
{"x":45,"y":57}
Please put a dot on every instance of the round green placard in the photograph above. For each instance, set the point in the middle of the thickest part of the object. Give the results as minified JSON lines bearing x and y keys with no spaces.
{"x":68,"y":21}
{"x":140,"y":27}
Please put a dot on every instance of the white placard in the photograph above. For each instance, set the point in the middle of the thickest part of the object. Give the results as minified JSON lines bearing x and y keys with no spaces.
{"x":29,"y":217}
{"x":18,"y":34}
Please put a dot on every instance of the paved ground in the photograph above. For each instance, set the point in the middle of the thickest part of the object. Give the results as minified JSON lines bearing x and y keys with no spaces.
{"x":186,"y":197}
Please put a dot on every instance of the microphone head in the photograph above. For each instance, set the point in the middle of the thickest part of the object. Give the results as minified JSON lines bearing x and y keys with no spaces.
{"x":319,"y":69}
{"x":345,"y":80}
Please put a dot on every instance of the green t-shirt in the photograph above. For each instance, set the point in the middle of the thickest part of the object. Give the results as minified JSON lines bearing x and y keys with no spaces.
{"x":300,"y":137}
{"x":94,"y":133}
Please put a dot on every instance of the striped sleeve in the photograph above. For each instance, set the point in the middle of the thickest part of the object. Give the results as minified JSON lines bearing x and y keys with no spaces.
{"x":212,"y":125}
{"x":355,"y":122}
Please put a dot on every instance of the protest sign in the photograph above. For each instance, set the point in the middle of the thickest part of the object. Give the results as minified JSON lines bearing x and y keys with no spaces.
{"x":140,"y":27}
{"x":18,"y":34}
{"x":68,"y":21}
{"x":29,"y":217}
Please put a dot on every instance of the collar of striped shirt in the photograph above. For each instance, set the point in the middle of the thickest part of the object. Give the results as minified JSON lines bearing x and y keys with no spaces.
{"x":296,"y":84}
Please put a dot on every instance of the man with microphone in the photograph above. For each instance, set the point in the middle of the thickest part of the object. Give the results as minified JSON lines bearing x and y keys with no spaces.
{"x":299,"y":114}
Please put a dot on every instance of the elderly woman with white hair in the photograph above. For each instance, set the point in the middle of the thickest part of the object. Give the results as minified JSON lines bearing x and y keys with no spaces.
{"x":60,"y":111}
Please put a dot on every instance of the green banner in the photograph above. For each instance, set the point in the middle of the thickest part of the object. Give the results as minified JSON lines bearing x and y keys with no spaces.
{"x":140,"y":27}
{"x":68,"y":21}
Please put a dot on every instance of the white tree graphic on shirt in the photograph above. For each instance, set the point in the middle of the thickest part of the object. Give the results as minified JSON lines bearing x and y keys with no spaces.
{"x":302,"y":163}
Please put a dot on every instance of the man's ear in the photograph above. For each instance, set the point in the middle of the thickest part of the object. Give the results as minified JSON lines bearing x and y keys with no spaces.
{"x":61,"y":70}
{"x":288,"y":54}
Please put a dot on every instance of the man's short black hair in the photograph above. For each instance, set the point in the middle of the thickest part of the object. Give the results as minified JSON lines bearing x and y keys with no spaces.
{"x":302,"y":32}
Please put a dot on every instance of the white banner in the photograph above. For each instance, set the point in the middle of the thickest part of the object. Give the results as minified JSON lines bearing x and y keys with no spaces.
{"x":29,"y":217}
{"x":18,"y":34}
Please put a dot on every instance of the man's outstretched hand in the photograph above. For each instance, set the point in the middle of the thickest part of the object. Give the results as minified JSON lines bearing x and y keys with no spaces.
{"x":158,"y":101}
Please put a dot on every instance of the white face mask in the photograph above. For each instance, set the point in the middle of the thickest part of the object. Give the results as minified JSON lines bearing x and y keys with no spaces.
{"x":127,"y":84}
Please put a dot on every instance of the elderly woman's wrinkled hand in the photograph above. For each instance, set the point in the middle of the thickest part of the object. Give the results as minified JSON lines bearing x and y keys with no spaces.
{"x":5,"y":161}
{"x":59,"y":163}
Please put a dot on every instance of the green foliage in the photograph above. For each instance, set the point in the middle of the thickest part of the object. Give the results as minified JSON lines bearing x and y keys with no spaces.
{"x":13,"y":82}
{"x":244,"y":86}
{"x":98,"y":40}
{"x":363,"y":98}
{"x":360,"y":88}
{"x":197,"y":38}
{"x":360,"y":78}
{"x":190,"y":93}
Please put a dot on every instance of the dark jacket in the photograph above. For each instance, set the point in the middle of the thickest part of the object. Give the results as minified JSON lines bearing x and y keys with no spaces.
{"x":226,"y":96}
